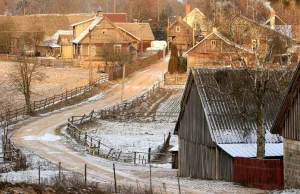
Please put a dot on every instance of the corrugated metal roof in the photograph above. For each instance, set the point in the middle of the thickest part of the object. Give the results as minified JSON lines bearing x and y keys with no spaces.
{"x":86,"y":30}
{"x":174,"y":149}
{"x":223,"y":112}
{"x":249,"y":150}
{"x":140,"y":30}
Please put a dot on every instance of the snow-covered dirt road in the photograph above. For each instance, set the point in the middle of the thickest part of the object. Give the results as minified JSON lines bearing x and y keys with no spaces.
{"x":38,"y":135}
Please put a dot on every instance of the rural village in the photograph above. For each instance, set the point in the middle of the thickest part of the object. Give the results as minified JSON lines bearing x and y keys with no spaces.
{"x":149,"y":96}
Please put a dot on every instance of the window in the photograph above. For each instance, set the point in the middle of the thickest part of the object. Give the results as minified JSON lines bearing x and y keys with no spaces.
{"x":177,"y":28}
{"x":117,"y":48}
{"x":227,"y":61}
{"x":104,"y":31}
{"x":213,"y":44}
{"x":255,"y":44}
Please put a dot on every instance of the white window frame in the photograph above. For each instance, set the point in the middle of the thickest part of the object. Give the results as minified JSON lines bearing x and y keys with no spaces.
{"x":177,"y":28}
{"x":117,"y":48}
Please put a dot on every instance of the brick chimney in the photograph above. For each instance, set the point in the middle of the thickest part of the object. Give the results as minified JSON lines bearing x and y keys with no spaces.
{"x":99,"y":12}
{"x":187,"y":9}
{"x":272,"y":19}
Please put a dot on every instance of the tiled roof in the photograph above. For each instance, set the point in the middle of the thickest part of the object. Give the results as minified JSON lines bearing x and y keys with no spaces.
{"x":226,"y":123}
{"x":140,"y":30}
{"x":116,"y":17}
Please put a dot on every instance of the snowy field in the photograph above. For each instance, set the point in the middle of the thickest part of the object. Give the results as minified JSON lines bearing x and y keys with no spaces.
{"x":56,"y":81}
{"x":30,"y":175}
{"x":132,"y":137}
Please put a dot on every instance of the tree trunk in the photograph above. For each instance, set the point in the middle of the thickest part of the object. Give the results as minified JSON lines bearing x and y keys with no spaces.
{"x":260,"y":130}
{"x":27,"y":101}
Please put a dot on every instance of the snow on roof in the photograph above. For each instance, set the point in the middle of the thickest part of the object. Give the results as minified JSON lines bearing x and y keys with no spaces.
{"x":61,"y":32}
{"x":225,"y":122}
{"x":249,"y":150}
{"x":174,"y":149}
{"x":86,"y":30}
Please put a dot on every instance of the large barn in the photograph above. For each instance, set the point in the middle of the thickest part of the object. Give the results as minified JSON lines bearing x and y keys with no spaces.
{"x":212,"y":131}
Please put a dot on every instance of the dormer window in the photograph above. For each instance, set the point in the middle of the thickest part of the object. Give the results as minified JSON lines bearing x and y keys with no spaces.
{"x":177,"y":28}
{"x":213,"y":44}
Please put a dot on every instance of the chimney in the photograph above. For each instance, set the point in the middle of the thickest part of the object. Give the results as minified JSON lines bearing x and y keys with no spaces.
{"x":272,"y":19}
{"x":187,"y":9}
{"x":99,"y":12}
{"x":179,"y":18}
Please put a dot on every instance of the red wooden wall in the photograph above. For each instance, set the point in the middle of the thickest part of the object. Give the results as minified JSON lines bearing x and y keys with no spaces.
{"x":263,"y":174}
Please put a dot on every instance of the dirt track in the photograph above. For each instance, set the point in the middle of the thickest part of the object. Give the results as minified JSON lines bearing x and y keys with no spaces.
{"x":101,"y":169}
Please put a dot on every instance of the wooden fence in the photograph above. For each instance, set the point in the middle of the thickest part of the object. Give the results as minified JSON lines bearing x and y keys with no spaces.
{"x":9,"y":152}
{"x":263,"y":174}
{"x":12,"y":115}
{"x":96,"y":147}
{"x":48,"y":62}
{"x":175,"y":79}
{"x":116,"y":72}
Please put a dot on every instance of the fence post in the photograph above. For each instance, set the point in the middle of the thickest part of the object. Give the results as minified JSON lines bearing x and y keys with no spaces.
{"x":39,"y":174}
{"x":115,"y":177}
{"x":85,"y":139}
{"x":149,"y":155}
{"x":134,"y":158}
{"x":178,"y":184}
{"x":99,"y":147}
{"x":59,"y":171}
{"x":150,"y":180}
{"x":85,"y":178}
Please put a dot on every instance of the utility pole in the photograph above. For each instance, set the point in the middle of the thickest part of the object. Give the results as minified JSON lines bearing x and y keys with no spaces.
{"x":90,"y":58}
{"x":114,"y":6}
{"x":157,"y":10}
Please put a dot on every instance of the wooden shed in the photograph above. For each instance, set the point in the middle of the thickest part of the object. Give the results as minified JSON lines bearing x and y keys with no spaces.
{"x":212,"y":132}
{"x":288,"y":125}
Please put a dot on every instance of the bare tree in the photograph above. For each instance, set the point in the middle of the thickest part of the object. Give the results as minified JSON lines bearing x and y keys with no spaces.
{"x":255,"y":50}
{"x":22,"y":76}
{"x":5,"y":35}
{"x":30,"y":40}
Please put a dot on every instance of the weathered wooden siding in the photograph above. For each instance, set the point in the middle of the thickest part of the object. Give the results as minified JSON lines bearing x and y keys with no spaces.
{"x":183,"y":30}
{"x":292,"y":124}
{"x":197,"y":151}
{"x":225,"y":166}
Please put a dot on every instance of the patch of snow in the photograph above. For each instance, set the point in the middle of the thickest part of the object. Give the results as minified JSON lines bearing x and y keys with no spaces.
{"x":46,"y":137}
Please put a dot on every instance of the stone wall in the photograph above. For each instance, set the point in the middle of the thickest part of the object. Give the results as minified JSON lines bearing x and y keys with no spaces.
{"x":291,"y":163}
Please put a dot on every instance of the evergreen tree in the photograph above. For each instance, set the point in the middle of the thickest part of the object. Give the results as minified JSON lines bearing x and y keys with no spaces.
{"x":173,"y":63}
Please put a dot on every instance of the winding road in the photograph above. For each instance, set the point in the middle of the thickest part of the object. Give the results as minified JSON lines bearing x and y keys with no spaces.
{"x":32,"y":134}
{"x":35,"y":134}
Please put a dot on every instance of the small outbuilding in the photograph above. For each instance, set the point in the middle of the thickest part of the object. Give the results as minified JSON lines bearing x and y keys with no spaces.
{"x":212,"y":131}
